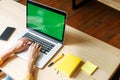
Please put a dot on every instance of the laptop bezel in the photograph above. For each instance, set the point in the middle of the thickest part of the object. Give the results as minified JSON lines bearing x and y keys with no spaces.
{"x":50,"y":9}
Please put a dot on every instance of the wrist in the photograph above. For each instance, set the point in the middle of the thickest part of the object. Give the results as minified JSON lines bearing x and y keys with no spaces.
{"x":30,"y":63}
{"x":31,"y":59}
{"x":11,"y":50}
{"x":6,"y":54}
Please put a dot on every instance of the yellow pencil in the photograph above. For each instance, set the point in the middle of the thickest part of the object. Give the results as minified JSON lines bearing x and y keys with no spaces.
{"x":54,"y":61}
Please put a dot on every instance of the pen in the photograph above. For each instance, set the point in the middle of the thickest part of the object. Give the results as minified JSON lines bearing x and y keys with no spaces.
{"x":58,"y":58}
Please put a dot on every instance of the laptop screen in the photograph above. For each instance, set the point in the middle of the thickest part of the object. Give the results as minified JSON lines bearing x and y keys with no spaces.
{"x":46,"y":20}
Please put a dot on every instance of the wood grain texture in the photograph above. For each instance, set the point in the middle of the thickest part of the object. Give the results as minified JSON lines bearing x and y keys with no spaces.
{"x":112,"y":3}
{"x":106,"y":57}
{"x":94,"y":18}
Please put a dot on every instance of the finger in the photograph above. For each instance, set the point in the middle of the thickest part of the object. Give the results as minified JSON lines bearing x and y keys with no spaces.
{"x":37,"y":45}
{"x":26,"y":43}
{"x":32,"y":45}
{"x":29,"y":43}
{"x":23,"y":40}
{"x":38,"y":50}
{"x":26,"y":39}
{"x":25,"y":46}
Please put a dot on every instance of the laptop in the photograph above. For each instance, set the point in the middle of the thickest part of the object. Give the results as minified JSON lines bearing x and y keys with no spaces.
{"x":46,"y":26}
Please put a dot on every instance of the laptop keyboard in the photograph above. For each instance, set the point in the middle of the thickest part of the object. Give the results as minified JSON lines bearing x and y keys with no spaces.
{"x":45,"y":45}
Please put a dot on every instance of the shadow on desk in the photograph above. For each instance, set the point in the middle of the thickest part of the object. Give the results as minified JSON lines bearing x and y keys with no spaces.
{"x":71,"y":39}
{"x":78,"y":70}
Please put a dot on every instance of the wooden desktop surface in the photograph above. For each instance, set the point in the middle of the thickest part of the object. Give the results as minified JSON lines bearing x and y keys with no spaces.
{"x":106,"y":57}
{"x":112,"y":3}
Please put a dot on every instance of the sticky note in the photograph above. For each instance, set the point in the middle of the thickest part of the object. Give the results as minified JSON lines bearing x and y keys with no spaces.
{"x":88,"y":67}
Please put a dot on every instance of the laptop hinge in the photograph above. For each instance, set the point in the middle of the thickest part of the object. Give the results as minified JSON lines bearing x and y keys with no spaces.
{"x":44,"y":36}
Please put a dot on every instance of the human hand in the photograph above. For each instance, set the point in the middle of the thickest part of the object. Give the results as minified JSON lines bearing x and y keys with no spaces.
{"x":21,"y":45}
{"x":33,"y":51}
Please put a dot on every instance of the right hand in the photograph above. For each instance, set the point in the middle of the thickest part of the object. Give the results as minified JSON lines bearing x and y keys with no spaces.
{"x":33,"y":51}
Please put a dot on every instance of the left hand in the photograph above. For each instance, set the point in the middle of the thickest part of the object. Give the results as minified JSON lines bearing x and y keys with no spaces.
{"x":21,"y":45}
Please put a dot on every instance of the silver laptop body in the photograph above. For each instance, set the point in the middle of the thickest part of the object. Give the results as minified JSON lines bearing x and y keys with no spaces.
{"x":44,"y":25}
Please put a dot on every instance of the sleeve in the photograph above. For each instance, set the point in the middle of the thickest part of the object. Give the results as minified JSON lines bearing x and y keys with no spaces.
{"x":28,"y":76}
{"x":1,"y":61}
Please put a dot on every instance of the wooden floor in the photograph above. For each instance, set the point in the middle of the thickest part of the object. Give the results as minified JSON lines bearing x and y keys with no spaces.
{"x":94,"y":18}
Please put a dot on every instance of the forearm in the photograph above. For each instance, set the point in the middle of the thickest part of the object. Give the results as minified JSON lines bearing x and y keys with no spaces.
{"x":33,"y":52}
{"x":30,"y":66}
{"x":6,"y":54}
{"x":29,"y":73}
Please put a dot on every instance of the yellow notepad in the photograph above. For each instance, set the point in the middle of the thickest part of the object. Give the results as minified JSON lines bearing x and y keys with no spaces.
{"x":89,"y":67}
{"x":68,"y":64}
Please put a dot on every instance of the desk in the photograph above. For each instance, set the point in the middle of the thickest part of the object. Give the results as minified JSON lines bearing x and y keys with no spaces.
{"x":106,"y":57}
{"x":112,"y":3}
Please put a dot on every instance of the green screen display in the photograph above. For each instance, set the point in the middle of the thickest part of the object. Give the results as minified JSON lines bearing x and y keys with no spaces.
{"x":45,"y":21}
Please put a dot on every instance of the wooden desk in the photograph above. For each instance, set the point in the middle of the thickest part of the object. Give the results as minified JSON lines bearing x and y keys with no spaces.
{"x":112,"y":3}
{"x":106,"y":57}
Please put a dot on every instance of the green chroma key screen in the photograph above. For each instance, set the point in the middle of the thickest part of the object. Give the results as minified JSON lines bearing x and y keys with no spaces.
{"x":45,"y":21}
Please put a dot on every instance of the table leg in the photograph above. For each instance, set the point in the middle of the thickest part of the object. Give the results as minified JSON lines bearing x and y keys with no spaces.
{"x":76,"y":6}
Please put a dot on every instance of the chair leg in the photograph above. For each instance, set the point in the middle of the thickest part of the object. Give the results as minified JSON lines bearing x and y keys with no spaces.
{"x":76,"y":6}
